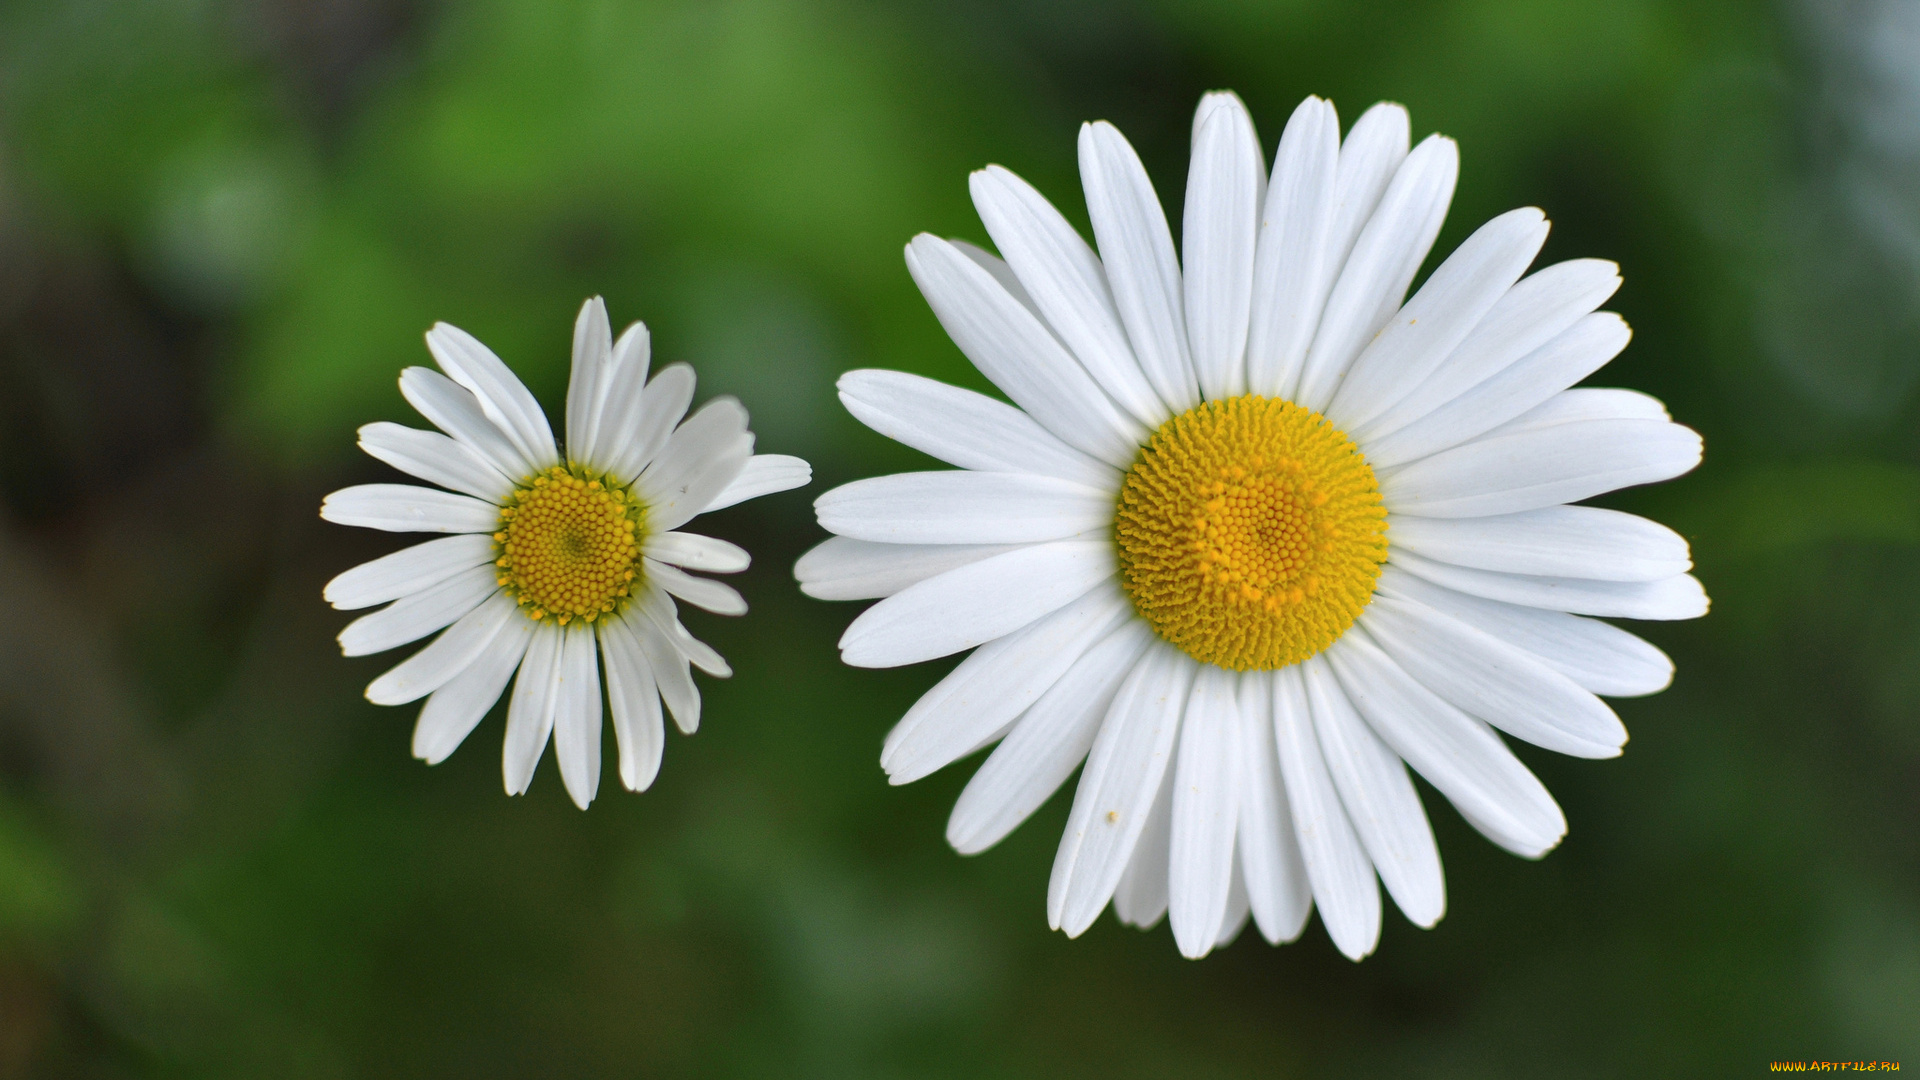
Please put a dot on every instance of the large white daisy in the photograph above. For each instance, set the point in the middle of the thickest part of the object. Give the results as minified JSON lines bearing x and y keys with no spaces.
{"x":551,"y":553}
{"x":1255,"y":535}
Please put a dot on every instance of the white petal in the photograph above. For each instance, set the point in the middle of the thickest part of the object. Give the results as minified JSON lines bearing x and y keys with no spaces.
{"x":1337,"y":865}
{"x":961,"y":507}
{"x":436,"y":458}
{"x":408,"y":508}
{"x":1001,"y":272}
{"x":1117,"y":787}
{"x":1140,"y":898}
{"x":1379,"y":799}
{"x":454,"y":410}
{"x":1218,"y":236}
{"x":408,"y":570}
{"x":576,"y":726}
{"x":843,"y":569}
{"x":966,"y":429}
{"x":638,"y":728}
{"x":1014,"y":349}
{"x":1598,"y":656}
{"x":644,"y":425}
{"x":1455,"y":752}
{"x":995,"y":685}
{"x":1374,"y":278}
{"x":1485,"y":677}
{"x":530,"y":710}
{"x":701,"y":458}
{"x":452,"y":711}
{"x":695,"y":552}
{"x":1553,"y":541}
{"x":1275,"y":876}
{"x":1066,"y":284}
{"x":587,"y":386}
{"x":763,"y":474}
{"x":976,"y":603}
{"x":1047,"y":743}
{"x":1677,"y":597}
{"x":699,"y":653}
{"x":623,"y":384}
{"x":1206,"y":813}
{"x":1369,"y":159}
{"x":1576,"y":353}
{"x":1452,"y":301}
{"x":448,"y":655}
{"x":1563,"y":463}
{"x":502,"y":396}
{"x":714,"y":596}
{"x":1136,"y":248}
{"x":1292,"y":271}
{"x":656,"y":629}
{"x":1238,"y":907}
{"x":1535,"y":311}
{"x":1586,"y":403}
{"x":413,"y":617}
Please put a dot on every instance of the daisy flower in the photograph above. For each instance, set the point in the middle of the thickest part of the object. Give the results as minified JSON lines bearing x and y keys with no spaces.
{"x":1255,"y":536}
{"x":551,"y":554}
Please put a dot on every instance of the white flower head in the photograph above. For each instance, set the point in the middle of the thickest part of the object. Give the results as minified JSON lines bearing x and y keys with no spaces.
{"x":1255,"y":535}
{"x":553,"y":557}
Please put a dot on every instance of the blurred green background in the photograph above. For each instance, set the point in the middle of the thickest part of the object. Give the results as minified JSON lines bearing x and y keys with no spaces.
{"x":224,"y":226}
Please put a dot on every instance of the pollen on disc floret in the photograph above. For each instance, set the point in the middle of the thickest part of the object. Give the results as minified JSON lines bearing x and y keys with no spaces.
{"x":1250,"y":532}
{"x":569,"y":545}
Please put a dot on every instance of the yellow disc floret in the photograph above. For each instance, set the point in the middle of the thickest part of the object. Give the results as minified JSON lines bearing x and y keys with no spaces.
{"x":569,"y":545}
{"x":1251,"y":533}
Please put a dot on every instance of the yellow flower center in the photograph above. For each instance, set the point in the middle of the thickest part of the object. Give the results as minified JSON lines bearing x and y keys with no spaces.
{"x":1251,"y":533}
{"x":569,"y":544}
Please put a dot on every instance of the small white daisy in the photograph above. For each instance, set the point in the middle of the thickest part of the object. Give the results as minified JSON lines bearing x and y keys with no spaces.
{"x":551,"y":553}
{"x":1257,"y":535}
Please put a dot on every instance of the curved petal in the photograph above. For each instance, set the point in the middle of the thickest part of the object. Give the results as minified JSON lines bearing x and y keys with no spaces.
{"x":647,"y":419}
{"x":1271,"y":867}
{"x":587,"y":386}
{"x":448,"y":655}
{"x":1536,"y":310}
{"x":962,"y":507}
{"x":1487,"y":678}
{"x":1014,"y":349}
{"x":1598,"y":656}
{"x":452,"y":712}
{"x":1520,"y":387}
{"x":763,"y":474}
{"x":1370,"y":157}
{"x":530,"y":710}
{"x":1553,"y":541}
{"x":1586,"y":403}
{"x":1292,"y":269}
{"x":576,"y":724}
{"x":1062,"y":276}
{"x":1338,"y":869}
{"x":1427,"y":329}
{"x":1136,"y":248}
{"x":976,"y":603}
{"x":700,"y":459}
{"x":1455,"y":752}
{"x":408,"y":571}
{"x":435,"y":458}
{"x":1218,"y":236}
{"x":1206,"y":813}
{"x":1531,"y":469}
{"x":1117,"y":788}
{"x":502,"y":396}
{"x":409,"y":508}
{"x":966,"y":429}
{"x":1379,"y":799}
{"x":692,"y":551}
{"x":1677,"y":597}
{"x":623,"y":385}
{"x":995,"y":685}
{"x":453,"y":409}
{"x":413,"y":617}
{"x":656,"y":631}
{"x":842,"y":569}
{"x":1047,"y":743}
{"x":638,"y":728}
{"x":1140,"y":897}
{"x":714,"y":596}
{"x":1375,"y":276}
